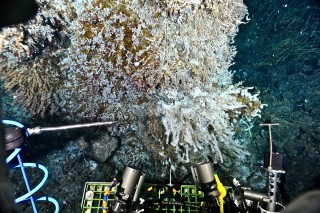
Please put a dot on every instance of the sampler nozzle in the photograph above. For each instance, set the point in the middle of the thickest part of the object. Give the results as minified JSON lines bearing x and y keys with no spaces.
{"x":39,"y":130}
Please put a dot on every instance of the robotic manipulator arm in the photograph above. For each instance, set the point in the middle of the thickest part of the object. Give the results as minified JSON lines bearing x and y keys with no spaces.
{"x":128,"y":193}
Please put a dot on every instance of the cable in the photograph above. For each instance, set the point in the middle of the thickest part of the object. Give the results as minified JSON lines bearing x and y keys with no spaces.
{"x":52,"y":200}
{"x":35,"y":189}
{"x":29,"y":195}
{"x":106,"y":195}
{"x":6,"y":192}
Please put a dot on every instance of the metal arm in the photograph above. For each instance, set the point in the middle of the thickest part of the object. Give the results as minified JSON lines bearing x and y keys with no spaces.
{"x":39,"y":130}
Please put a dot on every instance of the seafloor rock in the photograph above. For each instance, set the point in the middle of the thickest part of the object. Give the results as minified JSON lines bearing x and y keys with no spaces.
{"x":103,"y":147}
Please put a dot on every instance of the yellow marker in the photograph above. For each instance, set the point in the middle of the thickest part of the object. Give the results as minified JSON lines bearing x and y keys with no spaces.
{"x":222,"y":192}
{"x":150,"y":188}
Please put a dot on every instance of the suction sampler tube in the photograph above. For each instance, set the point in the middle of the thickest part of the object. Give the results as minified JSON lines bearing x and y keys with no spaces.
{"x":128,"y":191}
{"x":203,"y":176}
{"x":39,"y":130}
{"x":208,"y":181}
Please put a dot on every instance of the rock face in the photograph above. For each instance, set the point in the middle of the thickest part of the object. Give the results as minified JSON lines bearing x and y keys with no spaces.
{"x":160,"y":68}
{"x":103,"y":147}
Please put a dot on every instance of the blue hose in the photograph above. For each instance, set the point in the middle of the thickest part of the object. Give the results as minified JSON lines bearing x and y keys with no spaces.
{"x":29,"y":196}
{"x":13,"y":154}
{"x":14,"y":123}
{"x":35,"y":189}
{"x":52,"y":200}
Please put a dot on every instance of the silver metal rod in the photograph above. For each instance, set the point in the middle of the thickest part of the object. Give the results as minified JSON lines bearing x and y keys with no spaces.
{"x":270,"y":141}
{"x":77,"y":126}
{"x":39,"y":130}
{"x":256,"y":196}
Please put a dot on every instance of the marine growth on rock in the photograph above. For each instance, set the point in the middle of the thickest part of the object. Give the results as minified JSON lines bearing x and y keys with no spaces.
{"x":161,"y":68}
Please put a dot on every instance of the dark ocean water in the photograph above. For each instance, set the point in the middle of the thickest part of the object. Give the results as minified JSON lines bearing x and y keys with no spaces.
{"x":279,"y":53}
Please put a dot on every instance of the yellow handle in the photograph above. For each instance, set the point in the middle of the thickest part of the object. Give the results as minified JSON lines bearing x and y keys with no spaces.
{"x":222,"y":192}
